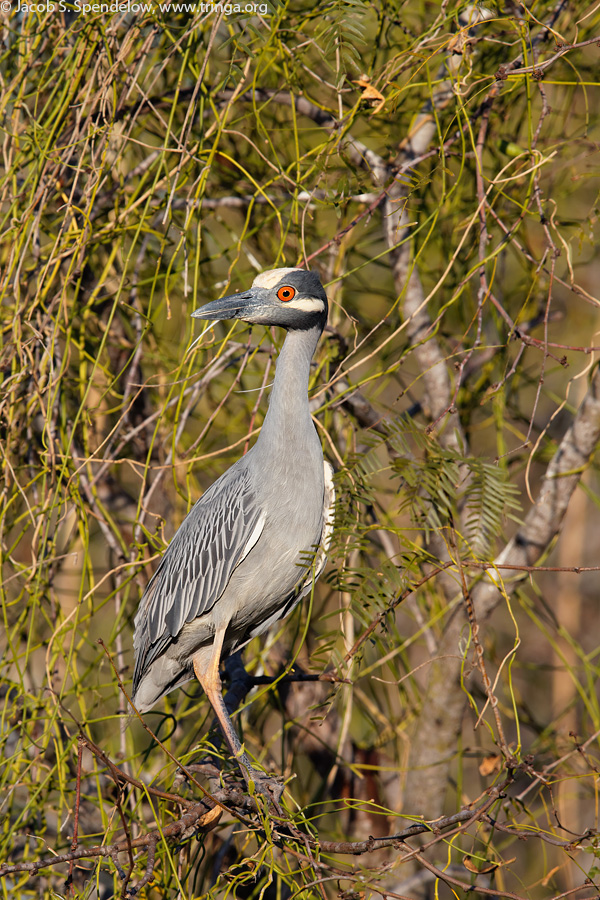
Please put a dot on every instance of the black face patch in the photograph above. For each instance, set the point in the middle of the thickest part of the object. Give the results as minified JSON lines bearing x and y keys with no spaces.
{"x":306,"y":281}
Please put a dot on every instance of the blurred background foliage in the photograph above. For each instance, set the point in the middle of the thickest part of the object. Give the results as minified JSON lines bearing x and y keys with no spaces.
{"x":154,"y":159}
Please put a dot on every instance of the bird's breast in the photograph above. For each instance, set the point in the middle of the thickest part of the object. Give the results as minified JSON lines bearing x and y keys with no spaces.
{"x":292,"y":496}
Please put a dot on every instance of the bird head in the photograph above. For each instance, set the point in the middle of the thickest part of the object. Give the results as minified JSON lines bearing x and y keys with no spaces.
{"x":292,"y":298}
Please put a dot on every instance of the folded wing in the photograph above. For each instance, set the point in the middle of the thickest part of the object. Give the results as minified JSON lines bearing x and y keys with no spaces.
{"x":218,"y":532}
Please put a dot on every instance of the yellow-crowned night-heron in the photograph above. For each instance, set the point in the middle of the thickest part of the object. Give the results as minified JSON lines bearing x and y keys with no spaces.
{"x":238,"y":565}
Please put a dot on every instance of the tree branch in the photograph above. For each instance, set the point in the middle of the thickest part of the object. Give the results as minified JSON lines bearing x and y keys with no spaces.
{"x":443,"y":705}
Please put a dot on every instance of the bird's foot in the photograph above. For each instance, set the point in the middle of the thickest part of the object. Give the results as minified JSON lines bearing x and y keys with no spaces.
{"x":268,"y":786}
{"x":207,"y":769}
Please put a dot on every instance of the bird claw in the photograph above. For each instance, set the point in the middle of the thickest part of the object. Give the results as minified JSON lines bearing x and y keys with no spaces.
{"x":269,"y":786}
{"x":207,"y":768}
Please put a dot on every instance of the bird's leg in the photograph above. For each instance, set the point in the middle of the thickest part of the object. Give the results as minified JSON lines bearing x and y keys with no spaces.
{"x":207,"y":674}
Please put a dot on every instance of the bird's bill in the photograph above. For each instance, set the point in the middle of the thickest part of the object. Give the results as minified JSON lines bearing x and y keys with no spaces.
{"x":225,"y":308}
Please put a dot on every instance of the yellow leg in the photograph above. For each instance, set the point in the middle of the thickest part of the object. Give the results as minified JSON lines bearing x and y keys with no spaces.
{"x":209,"y":678}
{"x":207,"y":673}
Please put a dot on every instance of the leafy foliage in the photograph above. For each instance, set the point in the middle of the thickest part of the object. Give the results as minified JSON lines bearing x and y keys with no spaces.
{"x":437,"y":164}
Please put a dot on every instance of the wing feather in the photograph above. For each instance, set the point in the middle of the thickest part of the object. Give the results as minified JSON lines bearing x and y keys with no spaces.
{"x":219,"y":531}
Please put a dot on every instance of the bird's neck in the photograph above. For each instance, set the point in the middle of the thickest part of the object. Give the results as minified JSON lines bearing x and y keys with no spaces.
{"x":288,"y":416}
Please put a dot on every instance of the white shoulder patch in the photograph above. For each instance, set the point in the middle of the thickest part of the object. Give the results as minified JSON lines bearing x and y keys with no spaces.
{"x":306,"y":586}
{"x":253,"y":537}
{"x":328,"y":506}
{"x":273,"y":276}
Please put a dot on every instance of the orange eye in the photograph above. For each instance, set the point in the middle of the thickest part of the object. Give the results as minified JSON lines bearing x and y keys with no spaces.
{"x":286,"y":293}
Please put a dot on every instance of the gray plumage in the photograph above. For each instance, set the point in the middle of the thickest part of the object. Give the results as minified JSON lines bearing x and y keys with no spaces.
{"x":238,"y":563}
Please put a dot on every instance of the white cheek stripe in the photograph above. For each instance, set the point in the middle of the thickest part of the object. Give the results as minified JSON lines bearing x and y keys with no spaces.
{"x":307,"y":304}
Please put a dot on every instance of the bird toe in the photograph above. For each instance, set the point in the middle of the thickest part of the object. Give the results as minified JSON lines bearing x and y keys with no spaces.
{"x":268,"y":786}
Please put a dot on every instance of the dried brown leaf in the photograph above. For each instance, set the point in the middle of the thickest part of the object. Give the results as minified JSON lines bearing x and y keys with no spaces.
{"x":370,"y":92}
{"x":489,"y":765}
